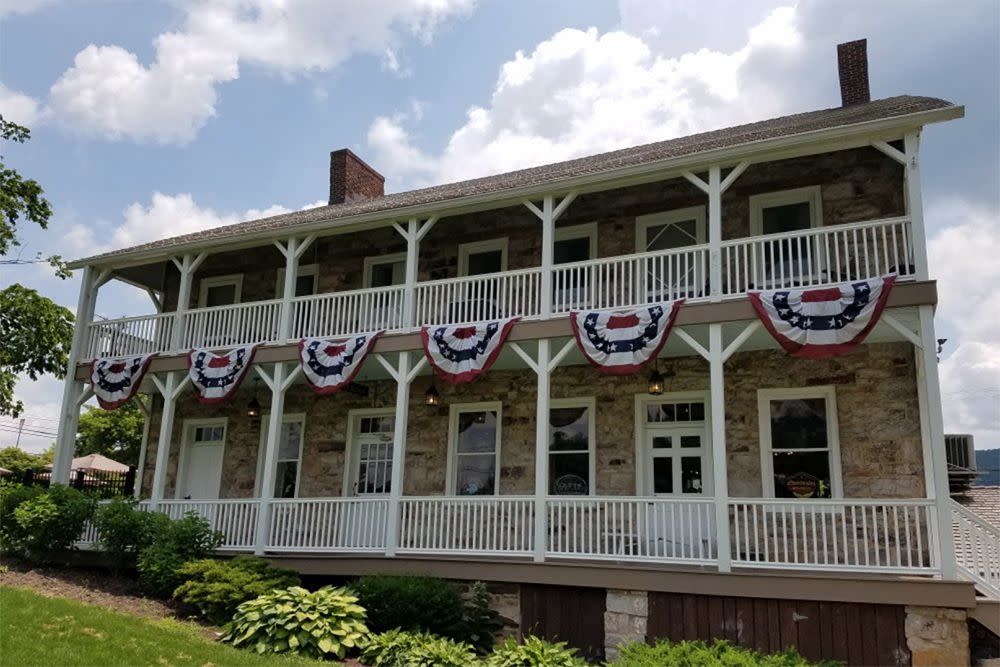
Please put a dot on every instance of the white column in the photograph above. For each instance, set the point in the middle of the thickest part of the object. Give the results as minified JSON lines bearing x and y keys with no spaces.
{"x":412,"y":255}
{"x":715,"y":232}
{"x":548,"y":251}
{"x":398,"y":453}
{"x":276,"y":382}
{"x":542,"y":445}
{"x":169,"y":389}
{"x":187,"y":266}
{"x":720,"y":475}
{"x":288,"y":292}
{"x":69,"y":417}
{"x":146,"y":405}
{"x":914,"y":205}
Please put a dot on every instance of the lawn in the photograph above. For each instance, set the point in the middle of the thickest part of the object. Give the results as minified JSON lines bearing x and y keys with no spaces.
{"x":36,"y":630}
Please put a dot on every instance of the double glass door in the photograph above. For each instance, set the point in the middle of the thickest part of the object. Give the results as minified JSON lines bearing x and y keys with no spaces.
{"x":677,"y":461}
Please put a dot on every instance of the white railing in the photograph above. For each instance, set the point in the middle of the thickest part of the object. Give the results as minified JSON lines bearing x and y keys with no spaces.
{"x":328,"y":524}
{"x":226,"y":326}
{"x":631,"y":280}
{"x":861,"y":535}
{"x":977,"y":550}
{"x":656,"y":529}
{"x":824,"y":255}
{"x":479,"y":298}
{"x":235,"y":519}
{"x":499,"y":525}
{"x":125,"y":336}
{"x":344,"y":313}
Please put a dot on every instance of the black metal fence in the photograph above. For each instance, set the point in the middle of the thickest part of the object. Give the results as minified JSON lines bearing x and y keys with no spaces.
{"x":101,"y":483}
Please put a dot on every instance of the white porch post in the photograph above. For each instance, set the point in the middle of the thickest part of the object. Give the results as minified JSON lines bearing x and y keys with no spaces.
{"x":170,"y":388}
{"x":542,"y":403}
{"x":914,"y":205}
{"x":187,"y":266}
{"x":146,"y":405}
{"x":715,"y":232}
{"x":403,"y":380}
{"x":292,"y":251}
{"x":720,"y":475}
{"x":69,"y":418}
{"x":548,"y":254}
{"x":278,"y":382}
{"x":413,"y":234}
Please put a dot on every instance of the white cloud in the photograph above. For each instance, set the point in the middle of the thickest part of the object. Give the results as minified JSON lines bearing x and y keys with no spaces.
{"x":18,"y":107}
{"x":23,"y":6}
{"x":109,"y":93}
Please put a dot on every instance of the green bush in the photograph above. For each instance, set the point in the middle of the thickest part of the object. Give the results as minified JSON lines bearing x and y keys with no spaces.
{"x":480,"y":623}
{"x":322,"y":624}
{"x":217,"y":587}
{"x":533,"y":652}
{"x":175,"y":543}
{"x":411,"y":603}
{"x":37,"y":522}
{"x":699,"y":654}
{"x":124,"y":530}
{"x":398,"y":648}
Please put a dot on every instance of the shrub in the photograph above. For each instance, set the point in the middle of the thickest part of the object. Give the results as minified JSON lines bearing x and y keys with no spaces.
{"x":176,"y":543}
{"x":37,"y":522}
{"x":398,"y":648}
{"x":325,"y":623}
{"x":533,"y":652}
{"x":123,"y":530}
{"x":699,"y":654}
{"x":411,"y":603}
{"x":217,"y":587}
{"x":480,"y":623}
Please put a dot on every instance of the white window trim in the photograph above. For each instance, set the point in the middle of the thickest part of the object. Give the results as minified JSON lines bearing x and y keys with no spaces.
{"x":235,"y":279}
{"x":187,"y":439}
{"x":590,"y":403}
{"x":642,"y":460}
{"x":374,"y":260}
{"x":644,"y":222}
{"x":810,"y":195}
{"x":350,"y":450}
{"x":587,"y":230}
{"x":455,"y":409}
{"x":264,"y":421}
{"x":304,"y":270}
{"x":466,"y":249}
{"x":827,"y":392}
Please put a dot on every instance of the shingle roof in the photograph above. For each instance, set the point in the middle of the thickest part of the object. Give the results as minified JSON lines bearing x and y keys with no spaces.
{"x":553,"y":173}
{"x":983,"y":501}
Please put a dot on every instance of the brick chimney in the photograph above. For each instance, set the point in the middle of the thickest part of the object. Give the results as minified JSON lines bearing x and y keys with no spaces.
{"x":852,"y":64}
{"x":352,"y":180}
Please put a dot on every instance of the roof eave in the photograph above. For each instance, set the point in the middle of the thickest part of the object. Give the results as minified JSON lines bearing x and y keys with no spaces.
{"x":876,"y":129}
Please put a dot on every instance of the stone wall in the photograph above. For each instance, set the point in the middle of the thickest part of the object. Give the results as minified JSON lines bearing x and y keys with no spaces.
{"x":875,"y":388}
{"x":625,"y":617}
{"x":937,"y":637}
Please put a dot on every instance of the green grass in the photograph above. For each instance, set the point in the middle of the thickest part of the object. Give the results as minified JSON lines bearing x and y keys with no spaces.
{"x":36,"y":630}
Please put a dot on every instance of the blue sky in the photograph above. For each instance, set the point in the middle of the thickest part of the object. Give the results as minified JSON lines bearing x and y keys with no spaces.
{"x":150,"y":119}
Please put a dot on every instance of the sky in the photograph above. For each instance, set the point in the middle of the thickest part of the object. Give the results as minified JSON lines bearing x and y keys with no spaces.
{"x":154,"y":119}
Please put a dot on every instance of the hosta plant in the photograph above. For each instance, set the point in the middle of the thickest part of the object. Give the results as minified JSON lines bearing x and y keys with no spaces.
{"x":533,"y":652}
{"x":217,"y":587}
{"x":322,"y":624}
{"x":398,"y":648}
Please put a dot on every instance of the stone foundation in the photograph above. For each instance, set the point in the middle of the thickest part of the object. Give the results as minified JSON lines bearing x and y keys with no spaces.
{"x":937,"y":636}
{"x":625,"y":619}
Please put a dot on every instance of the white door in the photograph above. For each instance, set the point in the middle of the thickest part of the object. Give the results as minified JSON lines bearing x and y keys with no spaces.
{"x":202,"y":470}
{"x":371,"y":453}
{"x":676,"y":461}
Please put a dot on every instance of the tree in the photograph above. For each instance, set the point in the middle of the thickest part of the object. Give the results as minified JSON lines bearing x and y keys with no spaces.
{"x":116,"y":434}
{"x":35,"y":332}
{"x":18,"y":460}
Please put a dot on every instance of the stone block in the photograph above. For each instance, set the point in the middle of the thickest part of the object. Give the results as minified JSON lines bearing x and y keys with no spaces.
{"x":937,"y":636}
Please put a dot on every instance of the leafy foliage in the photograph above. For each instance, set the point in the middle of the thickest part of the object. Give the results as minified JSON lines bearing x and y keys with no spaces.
{"x":398,"y":648}
{"x":480,"y":623}
{"x":533,"y":652}
{"x":411,"y":603}
{"x":175,"y":543}
{"x":699,"y":654}
{"x":37,"y":335}
{"x":322,"y":624}
{"x":116,"y":434}
{"x":217,"y":587}
{"x":124,"y":530}
{"x":18,"y":460}
{"x":37,"y":522}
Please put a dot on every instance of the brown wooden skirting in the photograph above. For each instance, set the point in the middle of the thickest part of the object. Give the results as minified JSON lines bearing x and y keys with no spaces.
{"x":570,"y":614}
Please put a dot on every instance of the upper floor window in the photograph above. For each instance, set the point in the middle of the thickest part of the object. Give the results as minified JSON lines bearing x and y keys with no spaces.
{"x":786,"y":211}
{"x":305,"y":281}
{"x":220,"y":290}
{"x":480,"y":257}
{"x":575,"y":244}
{"x":670,"y":229}
{"x":385,"y":270}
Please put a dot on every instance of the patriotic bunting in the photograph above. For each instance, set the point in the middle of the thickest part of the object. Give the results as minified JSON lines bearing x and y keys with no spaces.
{"x":622,"y":343}
{"x":116,"y":380}
{"x":330,"y":365}
{"x":461,"y":353}
{"x":823,"y":322}
{"x":216,"y":376}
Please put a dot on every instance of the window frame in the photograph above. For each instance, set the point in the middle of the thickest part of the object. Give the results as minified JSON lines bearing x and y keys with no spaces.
{"x":262,"y":445}
{"x":810,"y":194}
{"x":465,"y":249}
{"x":204,"y":284}
{"x":644,"y":222}
{"x":586,"y":230}
{"x":350,"y":449}
{"x":303,"y":270}
{"x":590,"y":403}
{"x":643,"y":463}
{"x":829,"y":394}
{"x":455,"y":409}
{"x":371,"y":261}
{"x":188,"y":427}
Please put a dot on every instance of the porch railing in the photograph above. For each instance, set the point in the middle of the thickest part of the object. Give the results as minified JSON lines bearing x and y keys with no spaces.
{"x":328,"y":524}
{"x":127,"y":336}
{"x":442,"y":524}
{"x":478,"y":298}
{"x":226,"y":326}
{"x":344,"y":313}
{"x":977,"y":550}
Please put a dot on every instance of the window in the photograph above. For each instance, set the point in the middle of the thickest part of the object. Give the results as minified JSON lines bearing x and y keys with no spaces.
{"x":782,"y":213}
{"x":385,"y":270}
{"x":475,"y":449}
{"x":481,"y":257}
{"x":305,"y":281}
{"x":289,"y":462}
{"x":670,"y":229}
{"x":800,"y":453}
{"x":220,"y":291}
{"x":575,"y":244}
{"x":571,"y":447}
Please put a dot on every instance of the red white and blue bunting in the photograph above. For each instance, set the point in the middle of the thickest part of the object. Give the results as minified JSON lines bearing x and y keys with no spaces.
{"x":461,"y":353}
{"x":622,"y":343}
{"x":330,"y":365}
{"x":822,"y":322}
{"x":116,"y":380}
{"x":216,"y":376}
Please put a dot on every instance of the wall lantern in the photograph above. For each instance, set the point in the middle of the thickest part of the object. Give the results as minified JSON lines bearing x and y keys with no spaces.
{"x":432,"y":397}
{"x":253,"y":407}
{"x":657,"y":382}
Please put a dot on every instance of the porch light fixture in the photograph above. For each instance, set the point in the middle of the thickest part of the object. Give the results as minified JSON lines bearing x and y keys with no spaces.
{"x":253,"y":407}
{"x":656,"y":381}
{"x":431,"y":396}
